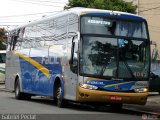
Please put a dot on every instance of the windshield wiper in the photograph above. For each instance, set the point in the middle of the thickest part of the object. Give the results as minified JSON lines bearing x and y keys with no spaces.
{"x":128,"y":68}
{"x":105,"y":65}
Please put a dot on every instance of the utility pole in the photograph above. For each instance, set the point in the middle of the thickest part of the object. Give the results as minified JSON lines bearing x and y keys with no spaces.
{"x":137,"y":7}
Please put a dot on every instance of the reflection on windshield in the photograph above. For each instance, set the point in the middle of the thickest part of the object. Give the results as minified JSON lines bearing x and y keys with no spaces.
{"x":100,"y":56}
{"x":132,"y":56}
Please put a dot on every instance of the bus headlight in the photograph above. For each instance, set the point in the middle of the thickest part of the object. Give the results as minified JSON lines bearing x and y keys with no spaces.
{"x":141,"y":90}
{"x":87,"y":86}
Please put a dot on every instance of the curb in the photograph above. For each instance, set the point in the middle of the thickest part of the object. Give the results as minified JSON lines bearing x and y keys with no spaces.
{"x":151,"y":114}
{"x":154,"y":102}
{"x":2,"y":86}
{"x":153,"y":93}
{"x":4,"y":90}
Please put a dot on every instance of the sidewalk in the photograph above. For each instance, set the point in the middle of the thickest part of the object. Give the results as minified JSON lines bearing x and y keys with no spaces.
{"x":2,"y":87}
{"x":152,"y":106}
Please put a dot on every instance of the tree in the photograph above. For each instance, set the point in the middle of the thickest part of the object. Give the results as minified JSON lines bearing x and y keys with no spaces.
{"x":118,"y":5}
{"x":3,"y":39}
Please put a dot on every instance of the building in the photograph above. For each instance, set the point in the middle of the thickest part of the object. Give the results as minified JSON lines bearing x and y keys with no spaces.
{"x":150,"y":9}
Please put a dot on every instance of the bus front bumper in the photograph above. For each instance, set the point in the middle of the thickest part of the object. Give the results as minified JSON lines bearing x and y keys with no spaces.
{"x":86,"y":95}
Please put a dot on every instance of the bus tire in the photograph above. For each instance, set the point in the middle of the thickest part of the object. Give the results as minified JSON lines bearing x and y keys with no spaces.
{"x":116,"y":107}
{"x":18,"y":94}
{"x":59,"y":98}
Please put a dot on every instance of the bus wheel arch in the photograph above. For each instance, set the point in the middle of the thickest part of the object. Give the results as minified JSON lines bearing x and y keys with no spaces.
{"x":15,"y":81}
{"x":19,"y":95}
{"x":58,"y":93}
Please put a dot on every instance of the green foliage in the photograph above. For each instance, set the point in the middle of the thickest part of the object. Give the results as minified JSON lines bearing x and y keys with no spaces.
{"x":3,"y":39}
{"x":2,"y":32}
{"x":118,"y":5}
{"x":2,"y":45}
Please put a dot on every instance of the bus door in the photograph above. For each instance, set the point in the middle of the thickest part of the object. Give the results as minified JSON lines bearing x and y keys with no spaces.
{"x":71,"y":70}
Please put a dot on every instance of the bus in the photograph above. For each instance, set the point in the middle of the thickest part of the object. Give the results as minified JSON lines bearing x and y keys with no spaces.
{"x":82,"y":55}
{"x":2,"y":65}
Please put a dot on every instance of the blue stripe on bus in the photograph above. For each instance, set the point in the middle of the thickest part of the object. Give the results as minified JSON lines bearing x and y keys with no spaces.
{"x":112,"y":85}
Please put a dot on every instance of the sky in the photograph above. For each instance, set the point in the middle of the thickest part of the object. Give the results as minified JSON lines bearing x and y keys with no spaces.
{"x":17,"y":12}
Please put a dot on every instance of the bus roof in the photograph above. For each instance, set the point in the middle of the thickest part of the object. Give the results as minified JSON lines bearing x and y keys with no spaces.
{"x":85,"y":11}
{"x":80,"y":11}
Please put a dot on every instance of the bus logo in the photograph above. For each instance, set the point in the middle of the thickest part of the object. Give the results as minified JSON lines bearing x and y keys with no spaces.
{"x":116,"y":87}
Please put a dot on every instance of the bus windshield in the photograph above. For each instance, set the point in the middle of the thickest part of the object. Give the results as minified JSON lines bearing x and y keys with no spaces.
{"x":114,"y":56}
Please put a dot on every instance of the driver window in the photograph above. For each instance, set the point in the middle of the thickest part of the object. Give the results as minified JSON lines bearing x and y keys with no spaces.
{"x":74,"y":56}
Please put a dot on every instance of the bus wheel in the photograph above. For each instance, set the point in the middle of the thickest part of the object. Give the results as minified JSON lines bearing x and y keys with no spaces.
{"x":116,"y":107}
{"x":59,"y":98}
{"x":18,"y":94}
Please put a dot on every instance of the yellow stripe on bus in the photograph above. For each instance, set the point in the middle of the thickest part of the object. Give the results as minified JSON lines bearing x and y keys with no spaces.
{"x":40,"y":67}
{"x":117,"y":84}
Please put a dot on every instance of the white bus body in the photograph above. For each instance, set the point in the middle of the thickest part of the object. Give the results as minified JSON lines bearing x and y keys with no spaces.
{"x":44,"y":58}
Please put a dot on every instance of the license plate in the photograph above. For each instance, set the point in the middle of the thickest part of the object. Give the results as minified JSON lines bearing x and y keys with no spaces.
{"x":118,"y":98}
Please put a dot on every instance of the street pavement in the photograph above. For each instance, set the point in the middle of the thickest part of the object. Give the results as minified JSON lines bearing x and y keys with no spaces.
{"x":152,"y":107}
{"x":45,"y":109}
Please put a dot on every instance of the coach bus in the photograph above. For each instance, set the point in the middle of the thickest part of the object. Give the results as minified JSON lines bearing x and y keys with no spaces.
{"x":82,"y":55}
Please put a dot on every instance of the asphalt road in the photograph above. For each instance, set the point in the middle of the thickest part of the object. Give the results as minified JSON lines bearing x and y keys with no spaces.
{"x":46,"y":108}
